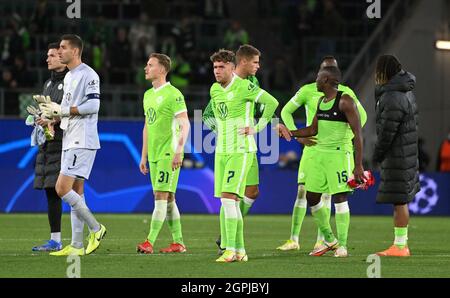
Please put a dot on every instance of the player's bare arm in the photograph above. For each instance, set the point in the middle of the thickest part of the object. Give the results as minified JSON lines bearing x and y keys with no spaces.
{"x":306,"y":132}
{"x":183,"y":122}
{"x":143,"y":164}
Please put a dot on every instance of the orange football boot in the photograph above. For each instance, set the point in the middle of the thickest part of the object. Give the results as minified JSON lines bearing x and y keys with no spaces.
{"x":174,"y":247}
{"x":395,"y":251}
{"x":145,"y":247}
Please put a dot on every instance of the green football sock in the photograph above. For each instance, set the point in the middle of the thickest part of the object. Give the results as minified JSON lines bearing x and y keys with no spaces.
{"x":159,"y":214}
{"x":240,"y":245}
{"x":298,"y":215}
{"x":326,"y":199}
{"x":173,"y":219}
{"x":175,"y":229}
{"x":401,"y":236}
{"x":320,"y":217}
{"x":342,"y":222}
{"x":223,"y":233}
{"x":231,"y":222}
{"x":245,"y":205}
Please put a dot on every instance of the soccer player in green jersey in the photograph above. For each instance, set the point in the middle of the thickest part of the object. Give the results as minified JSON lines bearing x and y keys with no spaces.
{"x":165,"y":132}
{"x":247,"y":64}
{"x":337,"y":127}
{"x":233,"y":101}
{"x":308,"y":96}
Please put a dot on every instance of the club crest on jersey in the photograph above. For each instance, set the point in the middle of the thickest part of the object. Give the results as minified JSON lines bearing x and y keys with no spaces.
{"x":230,"y":96}
{"x":179,"y":99}
{"x":151,"y":116}
{"x":60,"y":86}
{"x":159,"y":99}
{"x":222,"y":109}
{"x":251,"y":86}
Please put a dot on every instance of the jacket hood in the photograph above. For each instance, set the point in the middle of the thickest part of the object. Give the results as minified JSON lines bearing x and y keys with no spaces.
{"x":403,"y":81}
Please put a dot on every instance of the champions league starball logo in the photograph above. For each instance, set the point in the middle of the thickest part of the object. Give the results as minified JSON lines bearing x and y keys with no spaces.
{"x":426,"y":198}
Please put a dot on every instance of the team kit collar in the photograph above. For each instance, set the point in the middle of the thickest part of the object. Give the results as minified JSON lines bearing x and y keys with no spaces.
{"x":160,"y":87}
{"x":231,"y":82}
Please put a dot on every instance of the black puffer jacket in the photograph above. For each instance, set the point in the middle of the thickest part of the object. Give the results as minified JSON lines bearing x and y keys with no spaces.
{"x":48,"y":159}
{"x":397,"y":139}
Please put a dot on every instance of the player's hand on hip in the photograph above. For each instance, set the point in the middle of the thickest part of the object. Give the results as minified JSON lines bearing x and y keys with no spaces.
{"x":307,"y":141}
{"x":246,"y":131}
{"x":283,"y":132}
{"x":143,"y":166}
{"x":358,"y":172}
{"x":177,"y":161}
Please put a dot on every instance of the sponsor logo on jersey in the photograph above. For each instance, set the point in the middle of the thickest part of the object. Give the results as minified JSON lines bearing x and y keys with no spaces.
{"x":222,"y":109}
{"x":151,"y":116}
{"x":93,"y":83}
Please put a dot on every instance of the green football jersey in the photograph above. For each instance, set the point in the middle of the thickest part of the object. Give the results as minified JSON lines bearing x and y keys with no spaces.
{"x":208,"y":114}
{"x":309,"y":97}
{"x":254,"y":80}
{"x":161,"y":105}
{"x":233,"y":108}
{"x":333,"y":134}
{"x":259,"y":108}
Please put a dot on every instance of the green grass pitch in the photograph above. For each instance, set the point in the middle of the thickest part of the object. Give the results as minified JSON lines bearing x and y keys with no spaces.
{"x":117,"y":255}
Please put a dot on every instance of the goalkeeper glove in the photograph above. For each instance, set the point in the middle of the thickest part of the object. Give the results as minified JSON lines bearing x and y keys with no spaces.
{"x":39,"y":99}
{"x":49,"y":132}
{"x":33,"y":111}
{"x":49,"y":108}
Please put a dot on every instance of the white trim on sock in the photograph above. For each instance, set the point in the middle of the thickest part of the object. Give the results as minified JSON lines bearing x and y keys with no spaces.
{"x":229,"y":208}
{"x":341,"y":207}
{"x":172,"y":211}
{"x":317,"y":207}
{"x":248,"y":201}
{"x":241,"y":251}
{"x":55,"y":236}
{"x":326,"y":198}
{"x":294,"y":238}
{"x":160,"y":210}
{"x":400,"y":240}
{"x":300,"y":203}
{"x":238,"y":210}
{"x":301,"y":192}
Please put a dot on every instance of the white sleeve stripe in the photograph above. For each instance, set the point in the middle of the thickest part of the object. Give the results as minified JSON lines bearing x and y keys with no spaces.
{"x":179,"y":112}
{"x":259,"y":95}
{"x":294,"y":102}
